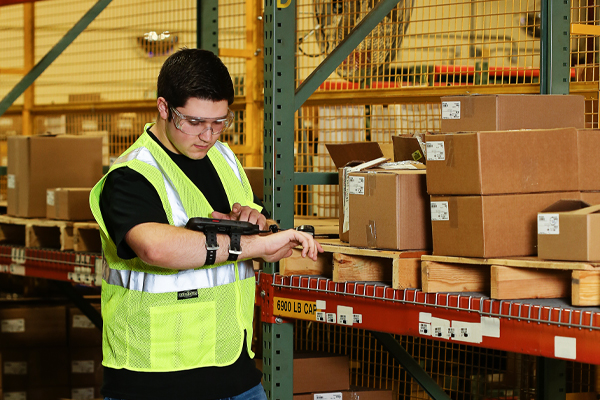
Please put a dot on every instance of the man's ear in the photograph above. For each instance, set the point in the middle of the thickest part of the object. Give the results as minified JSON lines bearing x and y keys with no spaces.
{"x":163,"y":108}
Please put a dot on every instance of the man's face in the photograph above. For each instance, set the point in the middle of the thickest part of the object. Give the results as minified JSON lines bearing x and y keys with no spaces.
{"x":195,"y":146}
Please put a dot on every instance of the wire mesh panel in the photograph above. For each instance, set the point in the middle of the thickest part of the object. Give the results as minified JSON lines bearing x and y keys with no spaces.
{"x":462,"y":371}
{"x":426,"y":42}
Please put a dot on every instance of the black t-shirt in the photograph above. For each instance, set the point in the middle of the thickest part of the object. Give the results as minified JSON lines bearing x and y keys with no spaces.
{"x":128,"y":199}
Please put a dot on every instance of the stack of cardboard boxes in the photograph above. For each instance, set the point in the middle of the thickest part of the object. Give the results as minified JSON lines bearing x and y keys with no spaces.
{"x":500,"y":160}
{"x":49,"y":353}
{"x":40,"y":163}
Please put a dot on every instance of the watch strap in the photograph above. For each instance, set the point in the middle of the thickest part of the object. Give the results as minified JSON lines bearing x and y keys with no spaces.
{"x":235,"y":246}
{"x":212,"y":245}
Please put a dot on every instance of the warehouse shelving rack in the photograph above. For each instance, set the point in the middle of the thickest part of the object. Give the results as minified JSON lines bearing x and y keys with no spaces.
{"x":522,"y":327}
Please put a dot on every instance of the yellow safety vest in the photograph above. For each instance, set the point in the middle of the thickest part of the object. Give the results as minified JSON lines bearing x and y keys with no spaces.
{"x":158,"y":319}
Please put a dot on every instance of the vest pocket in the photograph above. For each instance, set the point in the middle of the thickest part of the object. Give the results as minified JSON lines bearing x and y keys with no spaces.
{"x":182,"y":336}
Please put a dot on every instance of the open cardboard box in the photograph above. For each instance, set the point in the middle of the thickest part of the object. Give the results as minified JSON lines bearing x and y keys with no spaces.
{"x":569,"y":230}
{"x":344,"y":156}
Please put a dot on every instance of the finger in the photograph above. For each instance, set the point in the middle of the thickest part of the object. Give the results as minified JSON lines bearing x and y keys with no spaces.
{"x":219,"y":215}
{"x":236,"y":208}
{"x":245,"y":214}
{"x":261,"y":222}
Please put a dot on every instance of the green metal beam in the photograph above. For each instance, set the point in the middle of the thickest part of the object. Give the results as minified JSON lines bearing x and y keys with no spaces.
{"x":207,"y":25}
{"x":54,"y":52}
{"x":278,"y":360}
{"x":316,"y":178}
{"x":551,"y":379}
{"x":413,"y":368}
{"x":339,"y":54}
{"x":555,"y":62}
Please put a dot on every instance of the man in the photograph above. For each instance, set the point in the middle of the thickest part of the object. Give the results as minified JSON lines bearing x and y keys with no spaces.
{"x":177,"y":312}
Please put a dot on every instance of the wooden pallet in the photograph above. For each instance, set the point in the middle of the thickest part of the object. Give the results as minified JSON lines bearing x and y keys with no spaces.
{"x":344,"y":263}
{"x":86,"y":237}
{"x":36,"y":233}
{"x":513,"y":278}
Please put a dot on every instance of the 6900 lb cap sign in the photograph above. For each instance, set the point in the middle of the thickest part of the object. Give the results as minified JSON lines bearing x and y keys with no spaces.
{"x":293,"y":308}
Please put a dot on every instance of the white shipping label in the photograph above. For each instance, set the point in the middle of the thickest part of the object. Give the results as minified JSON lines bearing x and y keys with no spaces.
{"x":450,"y":109}
{"x":356,"y":185}
{"x":50,"y":197}
{"x":439,"y":211}
{"x":15,"y":395}
{"x":82,"y":367}
{"x":81,"y":321}
{"x":82,"y":393}
{"x":15,"y":368}
{"x":331,"y":318}
{"x":548,"y":224}
{"x":345,"y":315}
{"x":320,"y":316}
{"x":439,"y":328}
{"x":328,"y":396}
{"x":565,"y":347}
{"x":436,"y":151}
{"x":425,"y":328}
{"x":11,"y":181}
{"x":13,"y":325}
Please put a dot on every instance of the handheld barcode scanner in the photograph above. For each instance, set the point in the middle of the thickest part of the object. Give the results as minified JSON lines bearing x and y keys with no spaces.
{"x":234,"y":229}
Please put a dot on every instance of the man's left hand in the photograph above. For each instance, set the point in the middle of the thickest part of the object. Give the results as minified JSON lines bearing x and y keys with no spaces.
{"x":244,"y":214}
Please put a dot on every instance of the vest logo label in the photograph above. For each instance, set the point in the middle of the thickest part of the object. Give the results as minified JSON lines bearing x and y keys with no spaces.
{"x":187,"y":294}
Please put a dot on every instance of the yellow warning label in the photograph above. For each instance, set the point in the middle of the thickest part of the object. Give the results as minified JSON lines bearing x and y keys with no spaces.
{"x":298,"y":309}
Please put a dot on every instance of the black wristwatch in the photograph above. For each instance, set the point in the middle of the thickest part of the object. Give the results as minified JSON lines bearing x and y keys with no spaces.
{"x":211,"y":246}
{"x":235,"y":246}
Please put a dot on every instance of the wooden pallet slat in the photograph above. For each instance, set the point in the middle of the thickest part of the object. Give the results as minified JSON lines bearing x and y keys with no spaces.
{"x":442,"y":277}
{"x":86,"y":237}
{"x":585,"y":288}
{"x":529,"y":283}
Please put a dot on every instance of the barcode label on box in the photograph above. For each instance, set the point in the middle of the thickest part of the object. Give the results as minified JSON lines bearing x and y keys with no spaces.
{"x":439,"y":211}
{"x":81,"y":321}
{"x":450,"y":109}
{"x":436,"y":151}
{"x":13,"y":325}
{"x":10,"y":181}
{"x":82,"y":393}
{"x":548,"y":224}
{"x":82,"y":367}
{"x":15,"y":368}
{"x":328,"y":396}
{"x":356,"y":185}
{"x":50,"y":197}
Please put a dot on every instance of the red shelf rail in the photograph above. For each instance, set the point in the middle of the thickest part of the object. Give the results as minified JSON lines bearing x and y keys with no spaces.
{"x":537,"y":327}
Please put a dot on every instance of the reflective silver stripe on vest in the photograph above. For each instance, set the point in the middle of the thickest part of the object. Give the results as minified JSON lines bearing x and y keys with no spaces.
{"x":183,"y":280}
{"x":142,"y":154}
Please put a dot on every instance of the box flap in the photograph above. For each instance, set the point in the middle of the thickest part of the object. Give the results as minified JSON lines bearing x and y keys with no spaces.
{"x":407,"y":147}
{"x":343,"y":153}
{"x":565,"y":206}
{"x":586,"y":211}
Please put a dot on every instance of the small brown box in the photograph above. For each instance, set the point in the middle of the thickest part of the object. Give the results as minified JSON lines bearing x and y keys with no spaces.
{"x":37,"y":163}
{"x":389,"y":209}
{"x":320,"y":373}
{"x":407,"y":148}
{"x":489,"y":226}
{"x":82,"y":332}
{"x":70,"y":204}
{"x":499,"y":112}
{"x":33,"y":326}
{"x":86,"y":366}
{"x":344,"y":155}
{"x":570,"y":231}
{"x":588,"y":143}
{"x":502,"y":162}
{"x":256,"y":179}
{"x":35,"y":367}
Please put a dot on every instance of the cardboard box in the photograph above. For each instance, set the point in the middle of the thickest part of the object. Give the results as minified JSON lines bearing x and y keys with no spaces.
{"x":81,"y":331}
{"x":45,"y":393}
{"x":35,"y":367}
{"x":86,"y":366}
{"x":358,"y":394}
{"x":317,"y":372}
{"x":346,"y":155}
{"x":33,"y":326}
{"x":37,"y":163}
{"x":407,"y":147}
{"x":71,"y":204}
{"x":588,"y":143}
{"x":489,"y":226}
{"x":502,"y":162}
{"x":591,"y":198}
{"x":389,"y":210}
{"x":499,"y":112}
{"x":256,"y":178}
{"x":569,"y":230}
